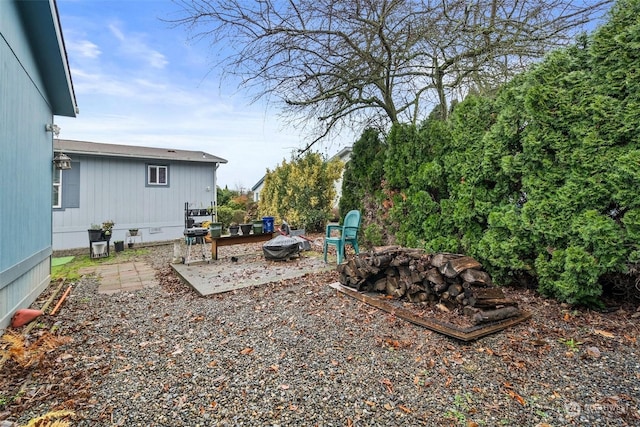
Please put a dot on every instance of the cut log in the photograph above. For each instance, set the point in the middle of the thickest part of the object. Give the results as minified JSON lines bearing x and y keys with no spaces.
{"x":433,"y":276}
{"x":456,"y":266}
{"x":392,"y":285}
{"x":495,"y":315}
{"x":440,"y":259}
{"x":440,"y":288}
{"x":344,"y":279}
{"x":382,"y":261}
{"x":476,"y":277}
{"x":470,"y":311}
{"x":404,"y":271}
{"x":418,"y":297}
{"x":400,"y":260}
{"x":351,"y":270}
{"x":494,"y":302}
{"x":380,"y":285}
{"x":385,"y":249}
{"x":455,"y":289}
{"x":417,"y":277}
{"x":363,"y":264}
{"x":488,"y":293}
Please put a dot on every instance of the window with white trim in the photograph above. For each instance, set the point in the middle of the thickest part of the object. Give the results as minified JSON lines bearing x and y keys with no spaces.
{"x":157,"y":175}
{"x":57,"y":188}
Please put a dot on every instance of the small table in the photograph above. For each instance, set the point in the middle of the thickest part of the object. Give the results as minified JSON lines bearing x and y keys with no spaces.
{"x":132,"y":237}
{"x":237,"y":240}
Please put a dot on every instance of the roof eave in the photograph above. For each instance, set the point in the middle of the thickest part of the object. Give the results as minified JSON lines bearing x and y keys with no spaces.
{"x":42,"y":23}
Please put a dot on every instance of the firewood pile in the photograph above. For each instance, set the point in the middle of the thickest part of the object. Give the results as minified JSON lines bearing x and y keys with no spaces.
{"x":452,"y":280}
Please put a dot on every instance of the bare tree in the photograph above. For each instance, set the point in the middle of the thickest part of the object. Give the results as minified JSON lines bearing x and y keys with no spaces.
{"x":369,"y":63}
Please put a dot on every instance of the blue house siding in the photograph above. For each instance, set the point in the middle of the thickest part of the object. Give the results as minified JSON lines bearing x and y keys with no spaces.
{"x":115,"y":188}
{"x":26,"y":106}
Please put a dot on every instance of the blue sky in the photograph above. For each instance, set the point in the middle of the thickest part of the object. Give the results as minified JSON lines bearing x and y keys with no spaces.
{"x":138,"y":81}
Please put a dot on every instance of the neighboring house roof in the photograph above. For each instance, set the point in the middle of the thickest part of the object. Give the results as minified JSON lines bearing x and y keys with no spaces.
{"x":114,"y":150}
{"x":42,"y":24}
{"x":342,"y":154}
{"x":258,"y":184}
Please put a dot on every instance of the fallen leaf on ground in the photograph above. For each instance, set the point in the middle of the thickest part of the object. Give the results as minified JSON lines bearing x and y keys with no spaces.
{"x":603,"y":333}
{"x":404,"y":409}
{"x":515,"y":396}
{"x":387,"y":382}
{"x":247,"y":350}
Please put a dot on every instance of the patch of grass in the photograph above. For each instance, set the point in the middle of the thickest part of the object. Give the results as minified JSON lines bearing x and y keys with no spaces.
{"x":541,"y":414}
{"x":456,"y":415}
{"x":461,"y":404}
{"x":571,"y":343}
{"x":70,"y":270}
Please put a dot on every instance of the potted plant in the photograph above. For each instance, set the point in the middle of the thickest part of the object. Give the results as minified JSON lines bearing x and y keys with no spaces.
{"x":107,"y":227}
{"x":118,"y":245}
{"x":246,"y":228}
{"x":215,"y":229}
{"x":257,"y":226}
{"x":233,"y":228}
{"x":95,"y":233}
{"x":133,"y":232}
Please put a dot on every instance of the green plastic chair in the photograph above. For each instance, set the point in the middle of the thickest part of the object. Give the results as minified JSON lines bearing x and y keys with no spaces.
{"x":348,"y":235}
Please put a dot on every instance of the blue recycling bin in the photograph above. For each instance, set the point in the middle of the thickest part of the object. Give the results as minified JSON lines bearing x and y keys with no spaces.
{"x":267,"y":224}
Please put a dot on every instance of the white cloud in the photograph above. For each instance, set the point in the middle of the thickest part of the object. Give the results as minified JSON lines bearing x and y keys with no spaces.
{"x":84,"y":49}
{"x":134,"y":46}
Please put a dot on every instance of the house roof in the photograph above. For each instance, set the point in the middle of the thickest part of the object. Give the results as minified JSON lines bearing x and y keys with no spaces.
{"x":258,"y":184}
{"x":70,"y":147}
{"x":42,"y":24}
{"x":345,"y":152}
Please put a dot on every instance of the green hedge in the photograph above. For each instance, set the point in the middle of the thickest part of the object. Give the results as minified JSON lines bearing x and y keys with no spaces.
{"x":540,"y":182}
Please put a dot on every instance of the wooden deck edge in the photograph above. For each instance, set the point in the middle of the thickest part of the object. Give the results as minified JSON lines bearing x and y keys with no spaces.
{"x":462,"y":334}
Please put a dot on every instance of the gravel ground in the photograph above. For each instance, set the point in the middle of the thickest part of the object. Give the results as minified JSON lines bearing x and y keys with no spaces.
{"x":296,"y":353}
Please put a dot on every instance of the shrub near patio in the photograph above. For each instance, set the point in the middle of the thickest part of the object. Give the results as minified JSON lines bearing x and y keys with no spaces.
{"x":301,"y":191}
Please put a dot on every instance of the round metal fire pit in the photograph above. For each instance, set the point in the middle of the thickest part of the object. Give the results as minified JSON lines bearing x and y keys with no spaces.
{"x":281,"y":248}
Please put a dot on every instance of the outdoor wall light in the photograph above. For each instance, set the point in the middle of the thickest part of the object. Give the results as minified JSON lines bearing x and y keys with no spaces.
{"x":62,"y":161}
{"x":51,"y":127}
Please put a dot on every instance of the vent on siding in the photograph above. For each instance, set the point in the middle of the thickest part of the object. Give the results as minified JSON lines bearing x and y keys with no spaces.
{"x":155,"y":230}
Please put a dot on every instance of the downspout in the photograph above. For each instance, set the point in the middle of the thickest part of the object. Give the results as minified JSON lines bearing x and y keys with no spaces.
{"x":215,"y":190}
